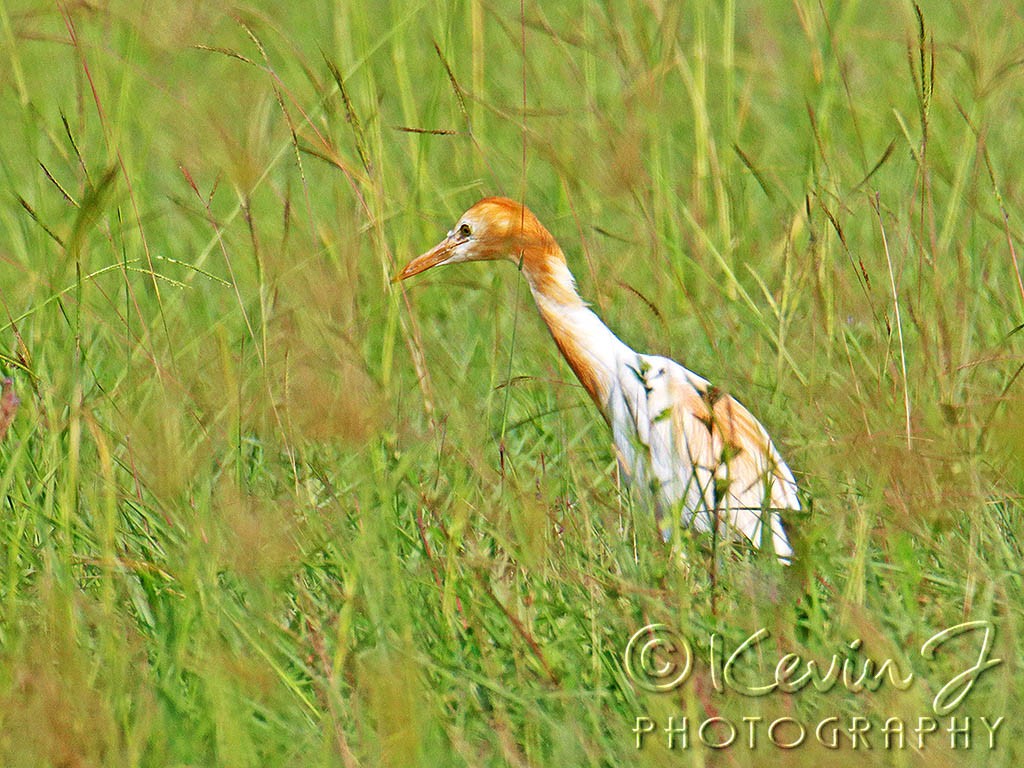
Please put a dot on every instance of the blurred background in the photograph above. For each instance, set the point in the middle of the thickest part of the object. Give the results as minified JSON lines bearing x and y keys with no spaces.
{"x":261,"y":507}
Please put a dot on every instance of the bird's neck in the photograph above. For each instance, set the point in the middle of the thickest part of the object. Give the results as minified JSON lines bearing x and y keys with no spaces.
{"x":586,"y":343}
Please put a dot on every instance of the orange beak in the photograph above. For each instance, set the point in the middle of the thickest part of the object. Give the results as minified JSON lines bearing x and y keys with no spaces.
{"x":436,"y":255}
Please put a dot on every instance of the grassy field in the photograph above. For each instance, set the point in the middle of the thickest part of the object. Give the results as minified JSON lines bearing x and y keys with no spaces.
{"x":261,"y":507}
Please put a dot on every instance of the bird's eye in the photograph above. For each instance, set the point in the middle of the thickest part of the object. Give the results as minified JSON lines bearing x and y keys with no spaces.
{"x":465,"y":230}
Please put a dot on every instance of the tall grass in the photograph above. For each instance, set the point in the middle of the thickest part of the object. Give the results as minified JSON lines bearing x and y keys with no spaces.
{"x":260,"y":507}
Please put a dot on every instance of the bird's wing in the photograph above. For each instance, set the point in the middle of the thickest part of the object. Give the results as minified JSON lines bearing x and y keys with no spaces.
{"x":706,"y":456}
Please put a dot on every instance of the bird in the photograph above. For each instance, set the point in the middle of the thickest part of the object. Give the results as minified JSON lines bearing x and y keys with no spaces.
{"x":693,"y":450}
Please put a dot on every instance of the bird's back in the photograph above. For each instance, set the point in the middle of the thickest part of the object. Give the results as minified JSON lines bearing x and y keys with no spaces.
{"x":702,"y":455}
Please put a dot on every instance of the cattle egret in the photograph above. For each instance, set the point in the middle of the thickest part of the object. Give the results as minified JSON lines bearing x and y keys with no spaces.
{"x":697,"y":453}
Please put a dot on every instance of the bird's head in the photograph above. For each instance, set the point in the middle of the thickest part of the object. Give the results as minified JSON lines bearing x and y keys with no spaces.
{"x":494,"y":228}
